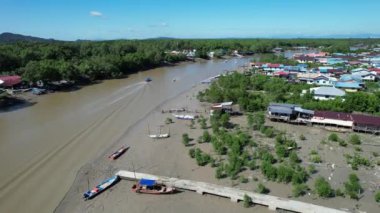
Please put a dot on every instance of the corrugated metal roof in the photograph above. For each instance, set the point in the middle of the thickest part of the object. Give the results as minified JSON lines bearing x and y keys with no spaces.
{"x":366,"y":120}
{"x":333,"y":115}
{"x":348,"y":85}
{"x":330,"y":91}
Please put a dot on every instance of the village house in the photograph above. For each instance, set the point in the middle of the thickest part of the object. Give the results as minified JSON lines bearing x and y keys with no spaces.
{"x":288,"y":113}
{"x":327,"y":118}
{"x":348,"y":86}
{"x":323,"y":80}
{"x":325,"y":93}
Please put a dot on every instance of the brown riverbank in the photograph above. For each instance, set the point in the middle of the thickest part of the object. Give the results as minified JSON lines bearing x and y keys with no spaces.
{"x":170,"y":157}
{"x":55,"y":137}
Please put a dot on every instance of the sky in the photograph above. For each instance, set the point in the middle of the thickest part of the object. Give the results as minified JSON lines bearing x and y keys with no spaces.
{"x":139,"y":19}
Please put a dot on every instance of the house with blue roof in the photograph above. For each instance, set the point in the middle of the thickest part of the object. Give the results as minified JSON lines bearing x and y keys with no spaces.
{"x":332,"y":61}
{"x":348,"y":86}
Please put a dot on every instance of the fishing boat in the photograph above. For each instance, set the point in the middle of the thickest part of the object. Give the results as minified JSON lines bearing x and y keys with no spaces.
{"x":101,"y":187}
{"x":148,"y":79}
{"x":159,"y":136}
{"x":184,"y":117}
{"x":118,"y":153}
{"x":146,"y":186}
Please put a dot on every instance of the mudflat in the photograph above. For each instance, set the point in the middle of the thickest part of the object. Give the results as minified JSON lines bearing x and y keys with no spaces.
{"x":43,"y":146}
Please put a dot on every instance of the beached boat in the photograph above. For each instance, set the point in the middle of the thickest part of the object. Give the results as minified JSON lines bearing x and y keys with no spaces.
{"x":118,"y":153}
{"x":147,"y":186}
{"x":159,"y":136}
{"x":148,"y":79}
{"x":184,"y":117}
{"x":101,"y":187}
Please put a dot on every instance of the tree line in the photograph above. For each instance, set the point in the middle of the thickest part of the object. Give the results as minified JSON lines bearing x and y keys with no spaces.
{"x":51,"y":61}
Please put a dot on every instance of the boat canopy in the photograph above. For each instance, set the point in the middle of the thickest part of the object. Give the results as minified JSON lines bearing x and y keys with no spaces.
{"x":147,"y":182}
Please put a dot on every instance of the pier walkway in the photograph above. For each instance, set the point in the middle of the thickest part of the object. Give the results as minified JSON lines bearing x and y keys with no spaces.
{"x":234,"y":194}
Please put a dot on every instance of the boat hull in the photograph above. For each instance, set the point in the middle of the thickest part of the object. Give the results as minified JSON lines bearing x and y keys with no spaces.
{"x":101,"y":187}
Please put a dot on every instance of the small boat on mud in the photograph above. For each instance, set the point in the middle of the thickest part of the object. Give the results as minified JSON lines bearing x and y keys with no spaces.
{"x":159,"y":136}
{"x":118,"y":153}
{"x":148,"y":79}
{"x":101,"y":187}
{"x":185,"y":117}
{"x":146,"y":186}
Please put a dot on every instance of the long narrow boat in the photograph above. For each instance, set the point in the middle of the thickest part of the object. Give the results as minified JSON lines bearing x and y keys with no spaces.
{"x":101,"y":187}
{"x":146,"y":186}
{"x":159,"y":136}
{"x":118,"y":153}
{"x":185,"y":117}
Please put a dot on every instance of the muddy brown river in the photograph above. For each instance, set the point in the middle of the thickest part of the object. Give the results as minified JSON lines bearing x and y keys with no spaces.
{"x":44,"y":145}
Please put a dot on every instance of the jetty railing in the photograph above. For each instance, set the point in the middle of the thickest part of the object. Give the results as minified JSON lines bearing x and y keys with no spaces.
{"x":234,"y":194}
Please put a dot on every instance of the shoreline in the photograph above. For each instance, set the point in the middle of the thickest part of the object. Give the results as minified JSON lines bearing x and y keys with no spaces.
{"x":172,"y":160}
{"x":99,"y":168}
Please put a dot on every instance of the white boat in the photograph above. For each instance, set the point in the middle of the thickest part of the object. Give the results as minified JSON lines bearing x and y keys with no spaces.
{"x":184,"y":117}
{"x":159,"y":136}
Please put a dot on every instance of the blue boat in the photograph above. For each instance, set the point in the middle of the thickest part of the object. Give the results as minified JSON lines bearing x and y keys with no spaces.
{"x":101,"y":187}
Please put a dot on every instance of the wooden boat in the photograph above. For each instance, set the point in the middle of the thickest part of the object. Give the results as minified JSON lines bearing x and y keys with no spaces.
{"x":118,"y":153}
{"x":159,"y":136}
{"x":185,"y":117}
{"x":146,"y":186}
{"x":101,"y":187}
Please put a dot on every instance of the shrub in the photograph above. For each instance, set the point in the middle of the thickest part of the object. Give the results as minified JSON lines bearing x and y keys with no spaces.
{"x":352,"y":187}
{"x":355,"y":139}
{"x":312,"y":169}
{"x":339,"y":193}
{"x":281,"y":151}
{"x":333,"y":137}
{"x":358,"y":149}
{"x":247,"y":201}
{"x":293,"y":157}
{"x":375,"y":154}
{"x":377,"y":197}
{"x":314,"y":157}
{"x":243,"y":179}
{"x":299,"y":190}
{"x":268,"y":170}
{"x":262,"y":189}
{"x":206,"y":137}
{"x":219,"y":172}
{"x":323,"y":188}
{"x":185,"y":139}
{"x":192,"y":152}
{"x":168,"y":121}
{"x":192,"y":124}
{"x":302,"y":137}
{"x":269,"y":132}
{"x":252,"y":165}
{"x":284,"y":173}
{"x":342,"y":142}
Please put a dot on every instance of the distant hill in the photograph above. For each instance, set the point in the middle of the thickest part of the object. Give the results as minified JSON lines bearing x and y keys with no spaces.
{"x":11,"y":38}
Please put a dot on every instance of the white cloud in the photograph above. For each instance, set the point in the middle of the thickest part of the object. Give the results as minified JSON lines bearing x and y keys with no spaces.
{"x":96,"y":13}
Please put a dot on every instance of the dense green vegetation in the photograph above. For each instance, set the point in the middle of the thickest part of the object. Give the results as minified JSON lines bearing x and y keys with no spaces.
{"x":51,"y":61}
{"x":254,"y":93}
{"x":323,"y":188}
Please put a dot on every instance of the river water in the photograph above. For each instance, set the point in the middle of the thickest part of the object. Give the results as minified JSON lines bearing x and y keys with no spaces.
{"x":44,"y":145}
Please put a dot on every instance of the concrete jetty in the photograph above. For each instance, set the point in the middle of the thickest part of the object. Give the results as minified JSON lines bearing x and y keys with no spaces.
{"x":234,"y":194}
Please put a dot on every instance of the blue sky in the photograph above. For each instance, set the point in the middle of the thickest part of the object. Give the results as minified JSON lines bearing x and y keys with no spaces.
{"x":113,"y":19}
